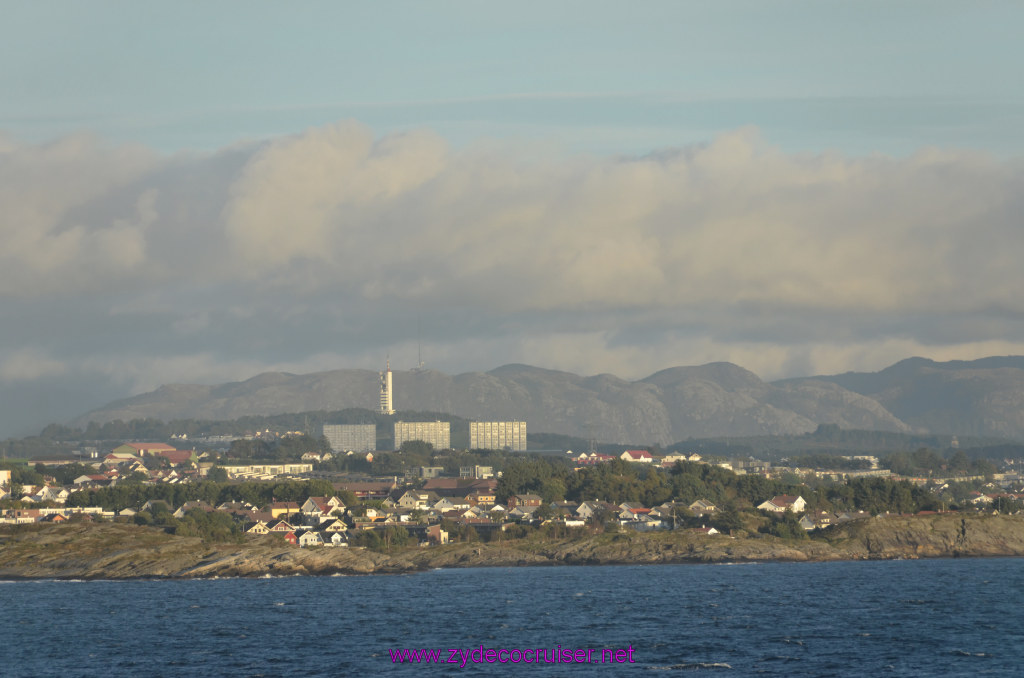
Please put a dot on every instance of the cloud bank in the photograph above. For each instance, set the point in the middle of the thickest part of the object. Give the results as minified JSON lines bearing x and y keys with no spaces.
{"x":123,"y":268}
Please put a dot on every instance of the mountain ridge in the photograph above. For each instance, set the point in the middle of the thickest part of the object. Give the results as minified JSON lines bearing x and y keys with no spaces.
{"x":916,"y":395}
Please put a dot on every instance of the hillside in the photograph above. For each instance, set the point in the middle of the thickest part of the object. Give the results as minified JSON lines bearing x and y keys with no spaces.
{"x":672,"y":405}
{"x":980,"y":397}
{"x":983,"y":398}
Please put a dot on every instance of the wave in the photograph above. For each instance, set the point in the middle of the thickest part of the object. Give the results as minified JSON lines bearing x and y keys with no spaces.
{"x":690,"y":666}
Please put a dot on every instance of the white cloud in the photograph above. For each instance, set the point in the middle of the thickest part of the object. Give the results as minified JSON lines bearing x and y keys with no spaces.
{"x":293,"y":200}
{"x":47,"y":248}
{"x":324,"y":247}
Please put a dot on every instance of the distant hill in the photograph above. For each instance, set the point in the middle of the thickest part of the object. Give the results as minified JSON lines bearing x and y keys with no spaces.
{"x":719,"y":399}
{"x":979,"y":397}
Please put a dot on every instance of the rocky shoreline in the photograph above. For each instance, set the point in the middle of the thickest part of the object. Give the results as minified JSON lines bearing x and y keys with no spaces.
{"x":116,"y":551}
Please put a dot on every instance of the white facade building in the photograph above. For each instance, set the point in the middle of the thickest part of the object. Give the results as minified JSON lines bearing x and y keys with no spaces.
{"x":497,"y":435}
{"x":351,"y":437}
{"x":437,"y":433}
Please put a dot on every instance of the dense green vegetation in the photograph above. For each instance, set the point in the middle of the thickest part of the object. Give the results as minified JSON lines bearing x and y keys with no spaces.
{"x":618,"y":481}
{"x":209,"y":525}
{"x":927,"y":462}
{"x":290,"y":448}
{"x":22,"y":473}
{"x":383,"y":539}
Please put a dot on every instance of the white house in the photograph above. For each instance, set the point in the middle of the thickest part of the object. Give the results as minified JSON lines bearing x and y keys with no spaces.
{"x":310,"y":538}
{"x":334,"y":539}
{"x":782,"y":503}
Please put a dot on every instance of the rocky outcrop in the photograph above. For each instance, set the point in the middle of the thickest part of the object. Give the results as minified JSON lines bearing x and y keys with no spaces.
{"x":110,"y":551}
{"x":936,"y":536}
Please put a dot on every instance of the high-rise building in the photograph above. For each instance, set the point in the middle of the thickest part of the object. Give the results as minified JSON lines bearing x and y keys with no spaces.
{"x":497,"y":435}
{"x":351,"y":437}
{"x":437,"y":433}
{"x":386,"y":406}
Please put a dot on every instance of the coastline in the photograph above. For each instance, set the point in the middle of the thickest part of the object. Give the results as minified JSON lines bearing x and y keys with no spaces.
{"x":121,"y":552}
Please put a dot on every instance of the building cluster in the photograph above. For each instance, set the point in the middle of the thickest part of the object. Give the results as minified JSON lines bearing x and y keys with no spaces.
{"x":427,"y":512}
{"x":483,"y":435}
{"x":429,"y":507}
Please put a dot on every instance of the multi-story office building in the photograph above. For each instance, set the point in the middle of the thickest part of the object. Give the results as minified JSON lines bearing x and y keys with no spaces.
{"x":437,"y":433}
{"x":497,"y":435}
{"x":351,"y":437}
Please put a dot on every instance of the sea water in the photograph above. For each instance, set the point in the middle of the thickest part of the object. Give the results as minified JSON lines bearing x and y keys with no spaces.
{"x":900,"y":618}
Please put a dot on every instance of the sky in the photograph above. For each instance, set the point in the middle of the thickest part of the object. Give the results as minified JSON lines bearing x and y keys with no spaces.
{"x":198,"y":192}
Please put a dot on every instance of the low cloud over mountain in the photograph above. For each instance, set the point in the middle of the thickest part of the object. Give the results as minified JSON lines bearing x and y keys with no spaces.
{"x":124,"y":268}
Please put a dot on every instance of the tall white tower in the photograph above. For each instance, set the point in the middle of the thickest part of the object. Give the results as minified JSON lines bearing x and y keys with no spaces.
{"x":385,"y":391}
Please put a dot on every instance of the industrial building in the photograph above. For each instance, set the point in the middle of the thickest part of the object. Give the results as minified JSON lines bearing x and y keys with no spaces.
{"x":351,"y":437}
{"x":497,"y":435}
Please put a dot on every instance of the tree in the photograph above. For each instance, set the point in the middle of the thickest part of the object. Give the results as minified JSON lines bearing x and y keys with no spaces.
{"x":217,"y":474}
{"x":416,"y":447}
{"x":394,"y":535}
{"x":786,"y":526}
{"x":365,"y":538}
{"x":468,"y":533}
{"x":544,"y":512}
{"x":727,"y":520}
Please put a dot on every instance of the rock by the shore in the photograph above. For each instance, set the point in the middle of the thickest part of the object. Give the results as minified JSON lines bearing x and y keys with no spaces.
{"x":118,"y":551}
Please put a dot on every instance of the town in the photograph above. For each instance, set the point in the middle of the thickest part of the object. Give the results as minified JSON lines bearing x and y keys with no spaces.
{"x":311,"y":495}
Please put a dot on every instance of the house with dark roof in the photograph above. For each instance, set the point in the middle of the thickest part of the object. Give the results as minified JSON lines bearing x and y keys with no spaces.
{"x":522,"y":501}
{"x":368,"y":490}
{"x":281,"y":525}
{"x":257,"y":527}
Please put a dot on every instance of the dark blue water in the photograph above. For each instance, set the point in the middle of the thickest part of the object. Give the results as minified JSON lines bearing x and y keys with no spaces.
{"x":903,"y":618}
